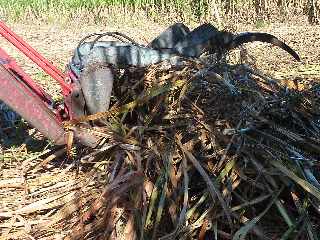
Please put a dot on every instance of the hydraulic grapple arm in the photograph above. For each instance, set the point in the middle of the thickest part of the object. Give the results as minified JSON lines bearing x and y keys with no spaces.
{"x":16,"y":94}
{"x":30,"y":101}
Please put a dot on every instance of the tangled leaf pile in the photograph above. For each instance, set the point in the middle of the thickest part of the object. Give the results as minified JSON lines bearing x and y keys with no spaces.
{"x":217,"y":151}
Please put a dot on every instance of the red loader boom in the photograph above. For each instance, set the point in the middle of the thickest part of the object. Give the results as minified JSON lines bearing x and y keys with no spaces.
{"x":30,"y":101}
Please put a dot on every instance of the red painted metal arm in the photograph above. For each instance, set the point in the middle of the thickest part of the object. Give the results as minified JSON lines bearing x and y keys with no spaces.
{"x":31,"y":53}
{"x":29,"y":100}
{"x":11,"y":65}
{"x":24,"y":101}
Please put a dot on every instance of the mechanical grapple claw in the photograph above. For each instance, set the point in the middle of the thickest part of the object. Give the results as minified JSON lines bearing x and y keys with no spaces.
{"x":88,"y":83}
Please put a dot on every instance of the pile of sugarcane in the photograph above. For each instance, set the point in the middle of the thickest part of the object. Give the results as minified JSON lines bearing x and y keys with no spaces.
{"x":207,"y":150}
{"x":198,"y":151}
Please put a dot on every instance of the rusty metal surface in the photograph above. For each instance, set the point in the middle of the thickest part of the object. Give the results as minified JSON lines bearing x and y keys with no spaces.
{"x":22,"y":100}
{"x":75,"y":102}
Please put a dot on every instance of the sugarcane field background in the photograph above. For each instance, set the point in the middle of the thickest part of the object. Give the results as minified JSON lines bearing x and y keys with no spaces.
{"x":231,"y":150}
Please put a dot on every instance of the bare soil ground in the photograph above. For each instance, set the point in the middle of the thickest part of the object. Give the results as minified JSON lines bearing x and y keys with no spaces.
{"x":57,"y":42}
